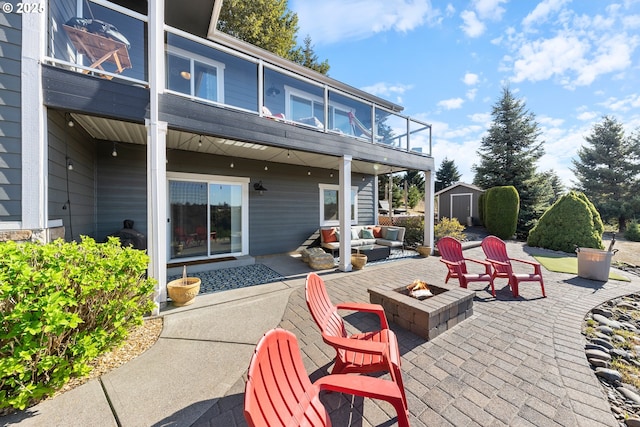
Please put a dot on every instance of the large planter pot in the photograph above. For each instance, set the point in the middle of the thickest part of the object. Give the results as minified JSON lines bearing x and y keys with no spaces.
{"x":358,"y":261}
{"x":424,"y":251}
{"x":183,"y":294}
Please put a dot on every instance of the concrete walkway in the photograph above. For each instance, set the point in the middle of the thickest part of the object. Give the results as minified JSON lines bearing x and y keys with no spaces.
{"x":516,"y":362}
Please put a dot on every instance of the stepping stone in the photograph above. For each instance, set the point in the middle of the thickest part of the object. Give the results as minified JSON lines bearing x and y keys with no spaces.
{"x":609,"y":374}
{"x":597,"y":354}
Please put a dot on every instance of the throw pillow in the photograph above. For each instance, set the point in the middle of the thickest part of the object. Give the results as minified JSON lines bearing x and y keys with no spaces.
{"x":377,"y":232}
{"x":392,"y":234}
{"x":354,"y":234}
{"x":367,"y":234}
{"x":329,"y":235}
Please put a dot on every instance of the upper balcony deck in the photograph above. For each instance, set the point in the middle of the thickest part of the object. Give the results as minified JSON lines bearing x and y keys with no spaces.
{"x":102,"y":38}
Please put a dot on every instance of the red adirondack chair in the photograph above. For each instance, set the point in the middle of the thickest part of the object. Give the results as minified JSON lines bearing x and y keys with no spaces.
{"x":358,"y":353}
{"x":496,"y":252}
{"x":278,"y":391}
{"x":451,"y":255}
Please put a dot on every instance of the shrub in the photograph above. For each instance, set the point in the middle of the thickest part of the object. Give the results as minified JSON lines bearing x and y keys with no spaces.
{"x":62,"y":305}
{"x":414,"y":230}
{"x":571,"y":221}
{"x":448,"y":227}
{"x":501,"y":205}
{"x":632,"y":232}
{"x":481,"y":201}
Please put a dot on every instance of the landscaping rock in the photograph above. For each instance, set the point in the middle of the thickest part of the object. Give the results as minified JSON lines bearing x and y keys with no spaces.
{"x":609,"y":374}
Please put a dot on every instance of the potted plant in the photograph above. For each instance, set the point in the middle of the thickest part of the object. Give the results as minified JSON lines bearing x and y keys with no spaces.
{"x":358,"y":261}
{"x":183,"y":291}
{"x":424,"y":251}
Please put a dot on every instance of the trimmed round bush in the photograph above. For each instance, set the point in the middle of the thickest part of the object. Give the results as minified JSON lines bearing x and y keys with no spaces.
{"x":501,"y":207}
{"x":571,"y":221}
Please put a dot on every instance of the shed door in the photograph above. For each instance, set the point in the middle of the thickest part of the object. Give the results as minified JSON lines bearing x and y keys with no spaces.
{"x":461,"y":207}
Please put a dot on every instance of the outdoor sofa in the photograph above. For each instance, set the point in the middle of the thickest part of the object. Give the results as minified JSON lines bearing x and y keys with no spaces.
{"x":384,"y":235}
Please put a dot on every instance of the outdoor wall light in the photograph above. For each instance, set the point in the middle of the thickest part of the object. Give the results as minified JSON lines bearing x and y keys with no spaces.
{"x":69,"y":164}
{"x":273,"y":91}
{"x":259,"y":187}
{"x":114,"y":153}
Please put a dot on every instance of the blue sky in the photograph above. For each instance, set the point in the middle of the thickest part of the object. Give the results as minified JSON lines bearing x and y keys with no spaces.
{"x":571,"y":62}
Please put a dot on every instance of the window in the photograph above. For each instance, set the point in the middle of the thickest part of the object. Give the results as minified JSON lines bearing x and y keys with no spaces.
{"x":304,"y":107}
{"x":208,"y":216}
{"x":194,"y":75}
{"x":329,"y":205}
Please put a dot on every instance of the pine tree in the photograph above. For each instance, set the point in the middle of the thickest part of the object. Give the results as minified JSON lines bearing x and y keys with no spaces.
{"x":306,"y":56}
{"x":269,"y":24}
{"x":447,"y":174}
{"x":508,"y":156}
{"x":608,"y":171}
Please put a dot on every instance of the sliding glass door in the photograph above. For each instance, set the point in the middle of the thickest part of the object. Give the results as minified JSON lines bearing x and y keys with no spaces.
{"x":208,"y":219}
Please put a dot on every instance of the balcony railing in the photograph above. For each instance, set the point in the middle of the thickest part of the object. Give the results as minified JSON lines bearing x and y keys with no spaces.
{"x":110,"y":41}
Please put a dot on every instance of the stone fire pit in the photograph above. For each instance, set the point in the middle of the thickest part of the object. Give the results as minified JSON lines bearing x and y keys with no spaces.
{"x":427,"y":317}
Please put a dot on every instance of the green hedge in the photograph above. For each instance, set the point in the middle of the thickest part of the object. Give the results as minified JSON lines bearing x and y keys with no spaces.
{"x":62,"y":305}
{"x":571,"y":221}
{"x":501,"y":206}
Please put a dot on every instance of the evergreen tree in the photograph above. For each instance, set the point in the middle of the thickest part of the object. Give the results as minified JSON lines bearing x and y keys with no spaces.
{"x":608,"y":171}
{"x":306,"y":56}
{"x":447,"y":174}
{"x":556,"y":188}
{"x":415,"y":178}
{"x":508,"y":156}
{"x":268,"y":24}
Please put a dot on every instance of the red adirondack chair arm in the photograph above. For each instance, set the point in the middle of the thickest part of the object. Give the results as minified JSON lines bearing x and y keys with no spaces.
{"x":487,"y":265}
{"x":366,"y":308}
{"x":495,"y":261}
{"x":361,"y":385}
{"x":525,"y":261}
{"x":360,"y":346}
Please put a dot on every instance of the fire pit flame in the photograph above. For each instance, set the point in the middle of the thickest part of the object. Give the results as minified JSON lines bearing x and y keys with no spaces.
{"x":419,"y":289}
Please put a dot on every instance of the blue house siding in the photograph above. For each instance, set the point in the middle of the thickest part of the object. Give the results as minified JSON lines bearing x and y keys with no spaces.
{"x":71,"y":192}
{"x":121,"y":187}
{"x":280,"y":220}
{"x":10,"y":121}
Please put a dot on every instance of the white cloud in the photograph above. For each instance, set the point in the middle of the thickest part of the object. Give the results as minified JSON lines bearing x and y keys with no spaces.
{"x":542,"y":59}
{"x":583,"y":49}
{"x":489,"y":9}
{"x":622,"y":105}
{"x":587,"y":116}
{"x":542,"y":11}
{"x":546,"y":121}
{"x":332,"y":21}
{"x":471,"y":94}
{"x":387,"y":90}
{"x":470,"y":79}
{"x":451,"y":104}
{"x":483,"y":118}
{"x":472,"y":26}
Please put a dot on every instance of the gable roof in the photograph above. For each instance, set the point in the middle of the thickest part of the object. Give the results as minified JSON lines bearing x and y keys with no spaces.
{"x":459,"y":184}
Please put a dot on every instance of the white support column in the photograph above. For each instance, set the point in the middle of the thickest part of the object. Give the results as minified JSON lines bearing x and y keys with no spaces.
{"x":429,"y":191}
{"x":344,"y":206}
{"x":157,"y":207}
{"x":157,"y":157}
{"x":33,"y":124}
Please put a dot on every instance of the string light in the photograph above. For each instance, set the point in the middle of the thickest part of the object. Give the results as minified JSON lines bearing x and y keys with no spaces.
{"x":114,"y":153}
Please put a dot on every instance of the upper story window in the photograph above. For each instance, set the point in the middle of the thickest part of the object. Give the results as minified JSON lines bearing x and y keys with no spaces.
{"x":306,"y":108}
{"x":195,"y":75}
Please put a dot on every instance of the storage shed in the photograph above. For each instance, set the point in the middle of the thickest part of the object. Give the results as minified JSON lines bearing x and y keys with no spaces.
{"x":460,"y":201}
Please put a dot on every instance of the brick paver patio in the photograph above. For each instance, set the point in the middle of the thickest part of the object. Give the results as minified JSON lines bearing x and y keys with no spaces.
{"x":515,"y":362}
